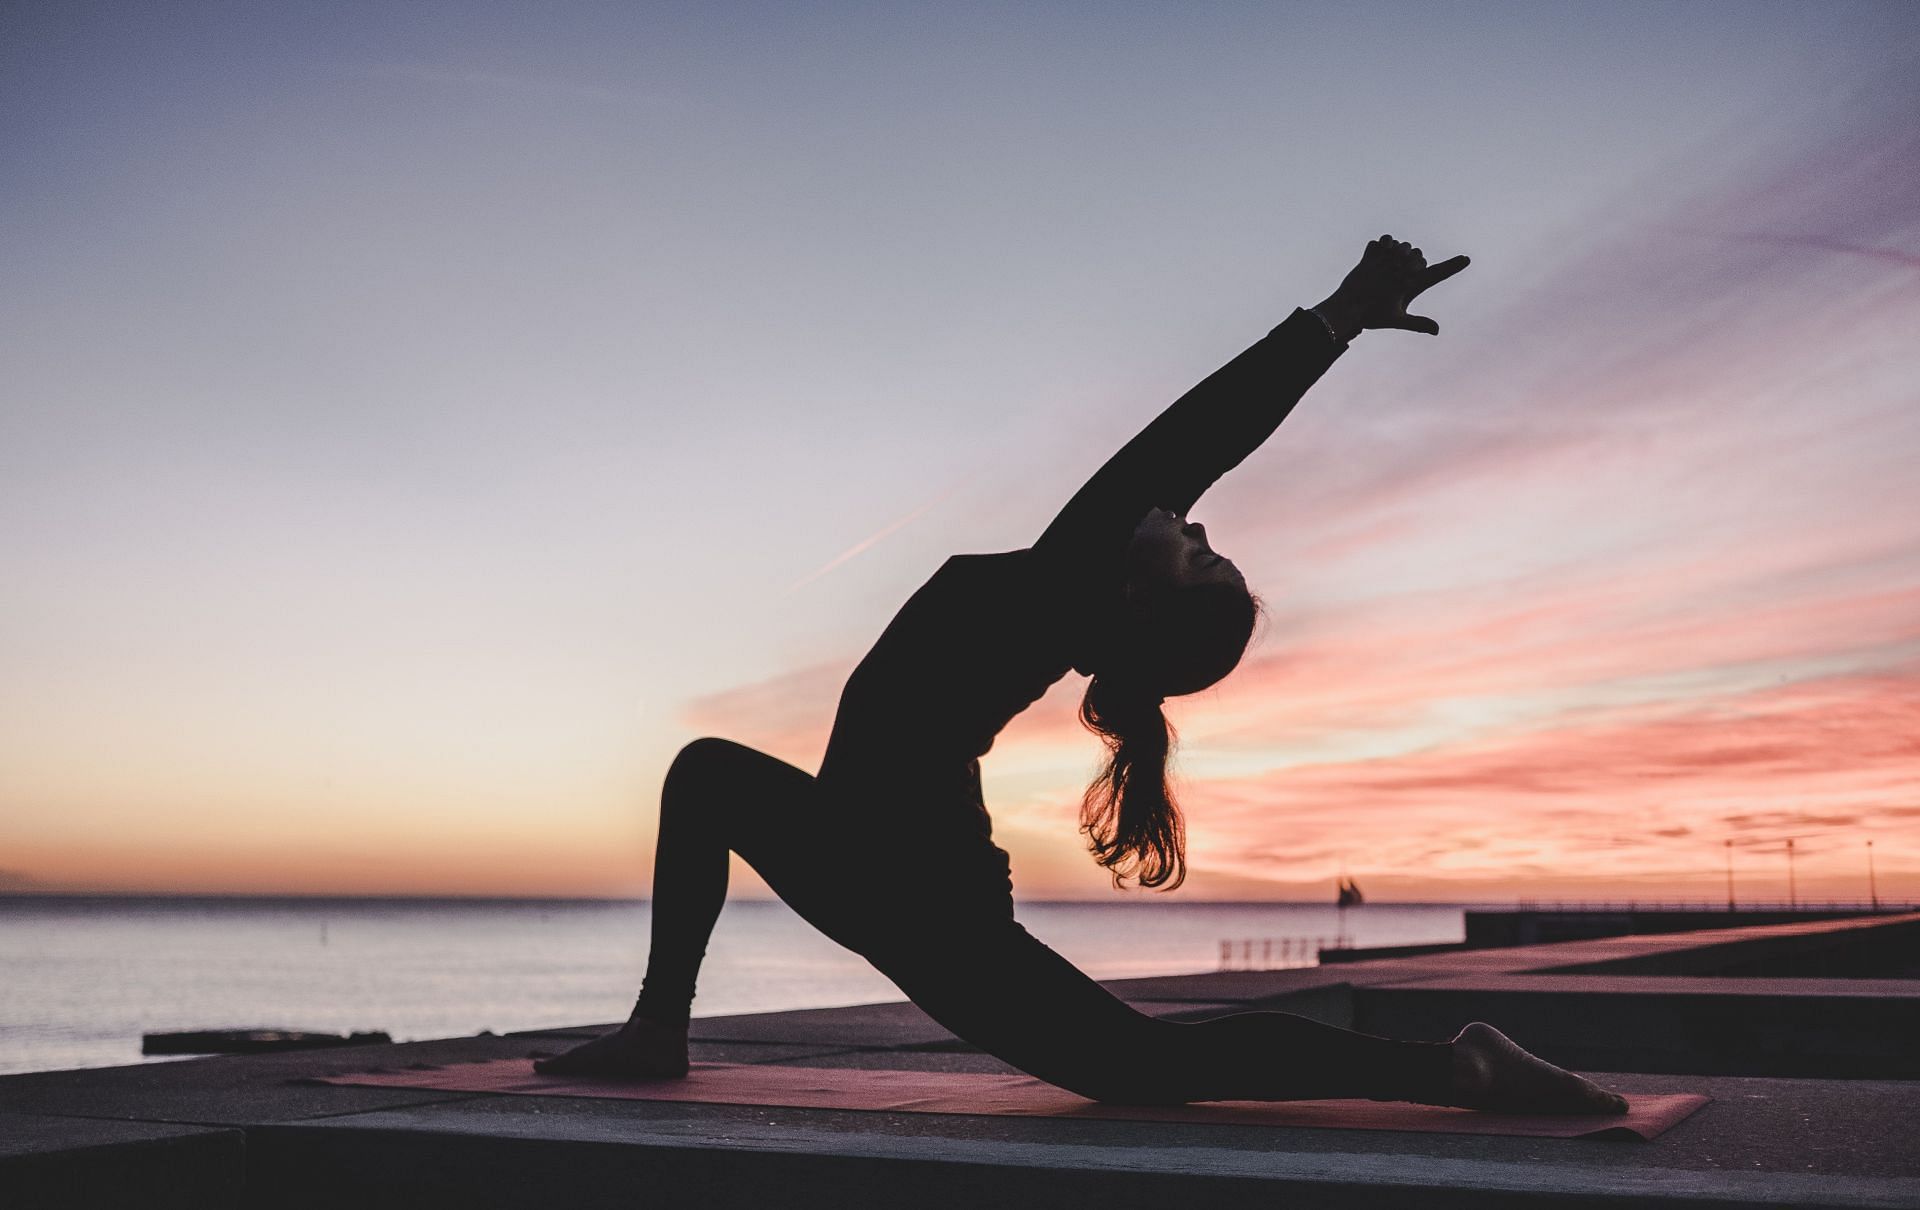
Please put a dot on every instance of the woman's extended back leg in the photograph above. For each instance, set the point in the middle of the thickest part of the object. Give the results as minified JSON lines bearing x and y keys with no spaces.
{"x":1005,"y":991}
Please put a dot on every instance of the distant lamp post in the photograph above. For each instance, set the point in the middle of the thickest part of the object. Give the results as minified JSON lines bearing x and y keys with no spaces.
{"x":1793,"y":893}
{"x":1730,"y":874}
{"x":1873,"y":888}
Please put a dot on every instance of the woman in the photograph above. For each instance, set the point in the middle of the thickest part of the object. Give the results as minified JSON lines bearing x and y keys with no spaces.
{"x":889,"y":849}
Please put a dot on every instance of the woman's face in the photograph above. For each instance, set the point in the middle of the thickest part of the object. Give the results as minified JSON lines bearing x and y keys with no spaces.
{"x":1169,"y":552}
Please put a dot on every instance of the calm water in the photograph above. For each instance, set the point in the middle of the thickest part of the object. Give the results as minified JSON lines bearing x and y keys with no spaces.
{"x":82,"y":979}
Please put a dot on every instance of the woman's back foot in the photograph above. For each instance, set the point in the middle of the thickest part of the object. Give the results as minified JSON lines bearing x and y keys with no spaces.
{"x":1492,"y":1072}
{"x":639,"y":1050}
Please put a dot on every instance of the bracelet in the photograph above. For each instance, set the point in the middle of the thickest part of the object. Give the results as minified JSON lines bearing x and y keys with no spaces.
{"x":1324,"y":322}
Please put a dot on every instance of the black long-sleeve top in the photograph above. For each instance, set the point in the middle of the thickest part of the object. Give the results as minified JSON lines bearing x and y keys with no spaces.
{"x":988,"y":634}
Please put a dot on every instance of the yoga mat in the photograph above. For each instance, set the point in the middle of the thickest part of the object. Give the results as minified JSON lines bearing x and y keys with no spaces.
{"x":1011,"y":1095}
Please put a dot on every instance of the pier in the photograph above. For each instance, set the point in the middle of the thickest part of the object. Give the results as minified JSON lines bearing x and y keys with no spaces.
{"x":1801,"y":1032}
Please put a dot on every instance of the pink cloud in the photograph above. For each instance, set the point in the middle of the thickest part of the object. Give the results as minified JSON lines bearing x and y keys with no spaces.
{"x":1826,"y":761}
{"x":787,"y":715}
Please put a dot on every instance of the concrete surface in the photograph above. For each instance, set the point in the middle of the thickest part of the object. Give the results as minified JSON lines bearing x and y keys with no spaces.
{"x":248,"y":1131}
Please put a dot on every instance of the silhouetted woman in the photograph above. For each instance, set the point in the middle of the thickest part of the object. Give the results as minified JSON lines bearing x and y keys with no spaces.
{"x":889,"y":849}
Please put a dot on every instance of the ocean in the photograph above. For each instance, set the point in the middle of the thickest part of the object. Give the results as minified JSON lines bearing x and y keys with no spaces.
{"x":81,"y":979}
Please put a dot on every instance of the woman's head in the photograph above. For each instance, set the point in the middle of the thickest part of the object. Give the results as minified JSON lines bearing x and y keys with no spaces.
{"x":1187,"y":616}
{"x":1169,"y":551}
{"x":1184,"y":625}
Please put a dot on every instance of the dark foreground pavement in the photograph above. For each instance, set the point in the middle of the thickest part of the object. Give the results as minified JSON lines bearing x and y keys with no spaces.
{"x":246,"y":1131}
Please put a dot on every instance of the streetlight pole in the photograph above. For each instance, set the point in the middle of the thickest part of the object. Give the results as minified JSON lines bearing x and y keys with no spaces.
{"x":1793,"y":894}
{"x":1729,"y":874}
{"x":1873,"y":888}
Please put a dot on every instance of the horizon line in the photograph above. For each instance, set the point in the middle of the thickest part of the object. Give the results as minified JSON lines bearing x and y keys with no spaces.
{"x":1518,"y":902}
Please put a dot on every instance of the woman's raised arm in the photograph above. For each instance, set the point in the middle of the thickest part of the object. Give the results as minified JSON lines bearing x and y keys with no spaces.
{"x":1213,"y":427}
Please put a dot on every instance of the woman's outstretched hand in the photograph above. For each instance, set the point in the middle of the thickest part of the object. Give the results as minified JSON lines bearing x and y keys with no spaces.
{"x":1391,"y":274}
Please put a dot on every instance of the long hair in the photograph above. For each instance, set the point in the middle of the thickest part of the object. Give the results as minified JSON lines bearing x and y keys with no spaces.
{"x":1129,"y":815}
{"x":1181,"y":642}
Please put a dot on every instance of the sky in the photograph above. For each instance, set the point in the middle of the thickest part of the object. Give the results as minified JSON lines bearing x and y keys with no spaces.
{"x":417,"y":422}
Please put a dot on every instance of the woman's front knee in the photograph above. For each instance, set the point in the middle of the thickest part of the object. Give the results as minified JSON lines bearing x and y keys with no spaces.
{"x":702,"y":760}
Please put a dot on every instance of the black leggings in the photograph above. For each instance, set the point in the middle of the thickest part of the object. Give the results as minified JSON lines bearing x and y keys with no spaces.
{"x":977,"y":972}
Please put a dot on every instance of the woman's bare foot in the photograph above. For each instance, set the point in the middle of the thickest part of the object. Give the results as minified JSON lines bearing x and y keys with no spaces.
{"x":640,"y":1049}
{"x":1490,"y":1071}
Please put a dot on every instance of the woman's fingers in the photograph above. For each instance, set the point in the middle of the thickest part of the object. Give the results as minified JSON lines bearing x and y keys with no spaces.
{"x":1392,"y":273}
{"x":1436,"y":274}
{"x":1442,"y":271}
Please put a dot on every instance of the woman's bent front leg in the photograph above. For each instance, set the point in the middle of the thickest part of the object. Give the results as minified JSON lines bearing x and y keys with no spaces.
{"x":722,"y":797}
{"x":719,"y":797}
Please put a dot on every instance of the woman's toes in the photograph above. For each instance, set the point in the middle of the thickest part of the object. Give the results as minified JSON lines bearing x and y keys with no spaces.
{"x":619,"y":1054}
{"x":554,"y":1065}
{"x":588,"y":1056}
{"x":1492,"y":1071}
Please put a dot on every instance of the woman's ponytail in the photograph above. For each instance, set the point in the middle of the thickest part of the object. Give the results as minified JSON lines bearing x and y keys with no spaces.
{"x":1129,"y":816}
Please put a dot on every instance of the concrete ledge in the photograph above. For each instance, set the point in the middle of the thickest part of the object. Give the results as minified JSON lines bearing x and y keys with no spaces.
{"x":1373,"y":953}
{"x":1700,"y":1031}
{"x":68,"y":1162}
{"x":1549,"y":924}
{"x":1604,"y":1005}
{"x":395,"y":1160}
{"x":1856,"y":950}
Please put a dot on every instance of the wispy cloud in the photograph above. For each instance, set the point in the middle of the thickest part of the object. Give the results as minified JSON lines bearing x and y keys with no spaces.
{"x":505,"y":82}
{"x":1896,"y":256}
{"x":872,"y":540}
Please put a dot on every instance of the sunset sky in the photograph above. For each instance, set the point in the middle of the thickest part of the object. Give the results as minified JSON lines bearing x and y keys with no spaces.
{"x":421,"y":420}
